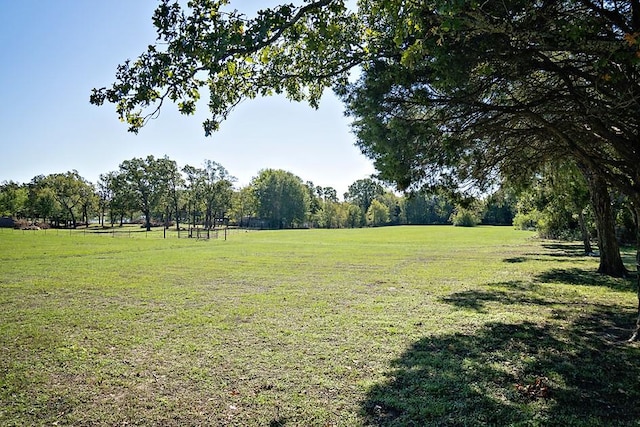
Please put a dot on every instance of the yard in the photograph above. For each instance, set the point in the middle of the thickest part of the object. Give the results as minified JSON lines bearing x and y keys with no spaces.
{"x":432,"y":325}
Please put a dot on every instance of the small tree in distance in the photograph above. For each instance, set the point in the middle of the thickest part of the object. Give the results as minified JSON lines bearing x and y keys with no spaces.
{"x":465,"y":217}
{"x":377,"y":214}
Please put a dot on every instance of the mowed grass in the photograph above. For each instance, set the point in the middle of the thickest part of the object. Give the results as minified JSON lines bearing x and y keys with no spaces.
{"x":393,"y":326}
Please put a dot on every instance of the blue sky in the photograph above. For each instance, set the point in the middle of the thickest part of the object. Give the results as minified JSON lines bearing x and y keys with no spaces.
{"x":55,"y":52}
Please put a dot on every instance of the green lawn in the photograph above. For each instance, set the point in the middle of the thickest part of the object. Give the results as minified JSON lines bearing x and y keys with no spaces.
{"x":394,"y":326}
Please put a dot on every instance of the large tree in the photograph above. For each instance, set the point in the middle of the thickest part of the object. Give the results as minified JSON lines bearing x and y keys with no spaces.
{"x":41,"y":202}
{"x":282,"y":198}
{"x":243,"y":205}
{"x":173,"y":183}
{"x":13,"y":198}
{"x":146,"y":182}
{"x":72,"y":192}
{"x":194,"y":192}
{"x":209,"y":188}
{"x":363,"y":192}
{"x":218,"y":190}
{"x":120,"y":195}
{"x":423,"y":207}
{"x":476,"y":98}
{"x":327,"y":214}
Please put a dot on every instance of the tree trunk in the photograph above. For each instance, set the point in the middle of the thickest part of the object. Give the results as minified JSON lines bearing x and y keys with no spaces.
{"x":85,"y":214}
{"x":193,"y":215}
{"x":585,"y":233}
{"x":207,"y":218}
{"x":73,"y":219}
{"x":147,"y":218}
{"x":177,"y":217}
{"x":636,"y":205}
{"x":610,"y":261}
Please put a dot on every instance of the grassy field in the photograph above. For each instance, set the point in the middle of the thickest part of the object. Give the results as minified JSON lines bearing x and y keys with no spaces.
{"x":389,"y":326}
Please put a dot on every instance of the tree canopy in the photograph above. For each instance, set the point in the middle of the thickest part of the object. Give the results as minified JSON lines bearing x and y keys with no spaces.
{"x":206,"y":46}
{"x":468,"y":77}
{"x":282,"y":198}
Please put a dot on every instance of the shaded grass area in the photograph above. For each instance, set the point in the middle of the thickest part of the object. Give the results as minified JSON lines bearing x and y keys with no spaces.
{"x":390,"y":326}
{"x":575,"y":372}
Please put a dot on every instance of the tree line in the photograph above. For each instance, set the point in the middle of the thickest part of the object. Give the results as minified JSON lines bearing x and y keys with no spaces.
{"x":156,"y":191}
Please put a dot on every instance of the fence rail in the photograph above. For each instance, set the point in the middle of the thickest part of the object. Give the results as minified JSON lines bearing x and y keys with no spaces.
{"x":134,"y":232}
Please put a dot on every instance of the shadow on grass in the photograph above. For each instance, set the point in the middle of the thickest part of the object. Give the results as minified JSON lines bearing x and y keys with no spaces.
{"x":557,"y":252}
{"x":522,"y":374}
{"x":513,"y":292}
{"x":576,"y":276}
{"x":568,"y":251}
{"x":565,"y":249}
{"x":550,"y":257}
{"x":515,"y":260}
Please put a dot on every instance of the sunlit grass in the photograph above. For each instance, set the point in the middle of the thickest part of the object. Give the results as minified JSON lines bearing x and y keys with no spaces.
{"x":387,"y":326}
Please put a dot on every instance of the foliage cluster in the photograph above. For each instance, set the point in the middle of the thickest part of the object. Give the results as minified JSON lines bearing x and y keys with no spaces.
{"x":156,"y":191}
{"x":465,"y":217}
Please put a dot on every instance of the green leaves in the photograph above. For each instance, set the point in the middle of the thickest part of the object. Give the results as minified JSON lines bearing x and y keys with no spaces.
{"x":281,"y":198}
{"x":413,"y":54}
{"x":187,"y":107}
{"x":286,"y":49}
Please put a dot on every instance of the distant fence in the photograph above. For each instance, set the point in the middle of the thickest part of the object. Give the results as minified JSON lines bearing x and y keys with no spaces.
{"x":135,"y":232}
{"x":205,"y":233}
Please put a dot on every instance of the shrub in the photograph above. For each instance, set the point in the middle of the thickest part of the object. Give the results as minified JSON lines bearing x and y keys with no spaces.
{"x":465,"y":218}
{"x":528,"y":220}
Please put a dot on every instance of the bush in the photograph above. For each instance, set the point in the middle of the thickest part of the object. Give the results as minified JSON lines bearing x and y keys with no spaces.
{"x":465,"y":218}
{"x":547,"y":225}
{"x":527,"y":221}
